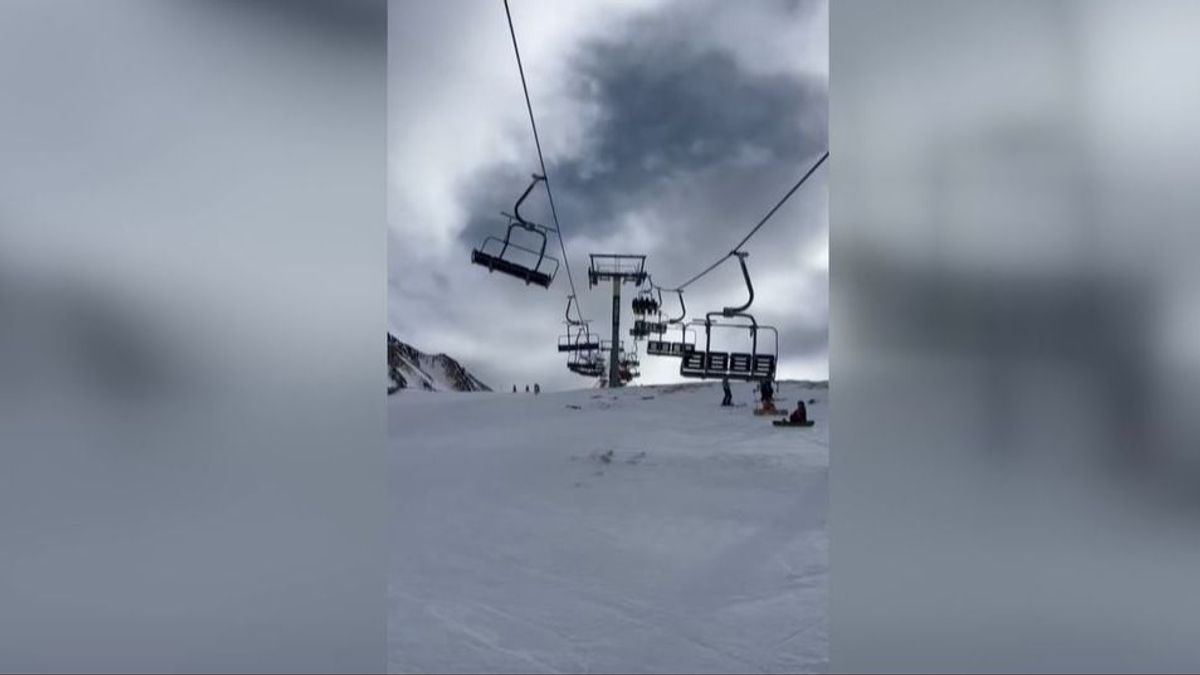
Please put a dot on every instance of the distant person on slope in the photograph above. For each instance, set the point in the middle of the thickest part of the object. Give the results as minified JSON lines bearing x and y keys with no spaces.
{"x":514,"y":388}
{"x":728,"y":400}
{"x":537,"y":389}
{"x":526,"y":389}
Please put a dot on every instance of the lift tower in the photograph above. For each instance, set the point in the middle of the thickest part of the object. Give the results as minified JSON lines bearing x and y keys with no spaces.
{"x":621,"y":268}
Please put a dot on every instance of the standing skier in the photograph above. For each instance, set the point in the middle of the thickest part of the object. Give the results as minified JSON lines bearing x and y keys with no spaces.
{"x":767,"y":393}
{"x":728,"y":400}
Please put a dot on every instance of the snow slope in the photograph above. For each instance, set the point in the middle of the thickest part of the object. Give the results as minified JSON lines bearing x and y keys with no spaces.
{"x":637,"y":530}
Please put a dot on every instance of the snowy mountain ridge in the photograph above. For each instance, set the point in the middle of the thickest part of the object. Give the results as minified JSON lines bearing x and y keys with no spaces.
{"x":409,"y":367}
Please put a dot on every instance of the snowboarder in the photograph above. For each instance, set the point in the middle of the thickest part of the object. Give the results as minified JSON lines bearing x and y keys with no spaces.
{"x":537,"y":389}
{"x":728,"y":400}
{"x":800,"y":414}
{"x":798,"y":418}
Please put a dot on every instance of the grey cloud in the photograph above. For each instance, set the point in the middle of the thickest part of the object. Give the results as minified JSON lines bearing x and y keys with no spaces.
{"x":671,"y":111}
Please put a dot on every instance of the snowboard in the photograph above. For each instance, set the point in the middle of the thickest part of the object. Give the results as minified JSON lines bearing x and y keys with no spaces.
{"x":789,"y":423}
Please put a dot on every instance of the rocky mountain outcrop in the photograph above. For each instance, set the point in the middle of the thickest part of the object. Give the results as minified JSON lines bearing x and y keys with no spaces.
{"x":409,"y":367}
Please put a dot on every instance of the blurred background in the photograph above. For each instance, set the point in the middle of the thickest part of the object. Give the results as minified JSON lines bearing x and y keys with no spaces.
{"x":1015,"y":314}
{"x":192,"y":281}
{"x":192,"y":311}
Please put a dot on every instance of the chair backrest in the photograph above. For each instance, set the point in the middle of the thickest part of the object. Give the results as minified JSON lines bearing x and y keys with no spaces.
{"x":764,"y":365}
{"x":716,"y":363}
{"x":740,"y":364}
{"x":692,"y":365}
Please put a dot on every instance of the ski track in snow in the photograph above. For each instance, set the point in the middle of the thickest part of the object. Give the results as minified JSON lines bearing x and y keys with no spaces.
{"x":603,"y":531}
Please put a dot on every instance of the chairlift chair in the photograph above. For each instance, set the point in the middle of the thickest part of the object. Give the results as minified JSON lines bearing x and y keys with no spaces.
{"x":504,"y":255}
{"x":579,"y":337}
{"x":756,"y":364}
{"x":673,"y":348}
{"x":643,"y":329}
{"x":645,"y":302}
{"x":629,"y":358}
{"x":665,"y":347}
{"x":589,"y":364}
{"x":752,"y":365}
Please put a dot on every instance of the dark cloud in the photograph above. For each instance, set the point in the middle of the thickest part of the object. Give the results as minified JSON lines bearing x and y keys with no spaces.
{"x":671,"y":111}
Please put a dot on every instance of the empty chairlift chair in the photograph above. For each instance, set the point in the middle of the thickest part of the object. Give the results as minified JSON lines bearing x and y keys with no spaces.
{"x":664,"y":347}
{"x":756,"y":364}
{"x":589,"y":364}
{"x":530,"y":265}
{"x":579,"y":337}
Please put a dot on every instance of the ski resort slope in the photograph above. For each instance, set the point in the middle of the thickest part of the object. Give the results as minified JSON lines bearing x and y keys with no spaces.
{"x":638,"y":530}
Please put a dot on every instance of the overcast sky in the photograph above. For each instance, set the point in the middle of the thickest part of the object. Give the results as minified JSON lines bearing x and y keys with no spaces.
{"x":669,"y":128}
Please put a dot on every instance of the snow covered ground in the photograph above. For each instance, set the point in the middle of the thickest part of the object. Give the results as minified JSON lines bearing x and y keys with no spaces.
{"x":637,"y":530}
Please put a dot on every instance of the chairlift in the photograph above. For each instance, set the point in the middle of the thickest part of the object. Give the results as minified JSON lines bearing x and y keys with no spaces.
{"x":643,"y":329}
{"x":752,"y":365}
{"x":664,"y":347}
{"x":628,"y":365}
{"x":589,"y":364}
{"x":673,"y":348}
{"x":625,"y":357}
{"x":504,"y":255}
{"x":579,"y":337}
{"x":645,"y":302}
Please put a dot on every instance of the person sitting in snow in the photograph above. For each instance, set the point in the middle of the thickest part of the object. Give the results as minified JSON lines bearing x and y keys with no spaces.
{"x":728,"y":400}
{"x":800,"y":414}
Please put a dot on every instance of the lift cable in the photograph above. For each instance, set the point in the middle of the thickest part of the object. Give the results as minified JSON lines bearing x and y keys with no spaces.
{"x":737,"y":249}
{"x":541,"y":160}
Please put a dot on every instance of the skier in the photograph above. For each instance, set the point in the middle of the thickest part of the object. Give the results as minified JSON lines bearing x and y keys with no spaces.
{"x":768,"y":399}
{"x":537,"y":389}
{"x":728,"y":400}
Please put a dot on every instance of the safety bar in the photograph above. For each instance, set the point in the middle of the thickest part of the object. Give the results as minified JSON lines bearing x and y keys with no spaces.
{"x":682,"y":307}
{"x":517,"y":207}
{"x":526,"y":226}
{"x":737,"y":311}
